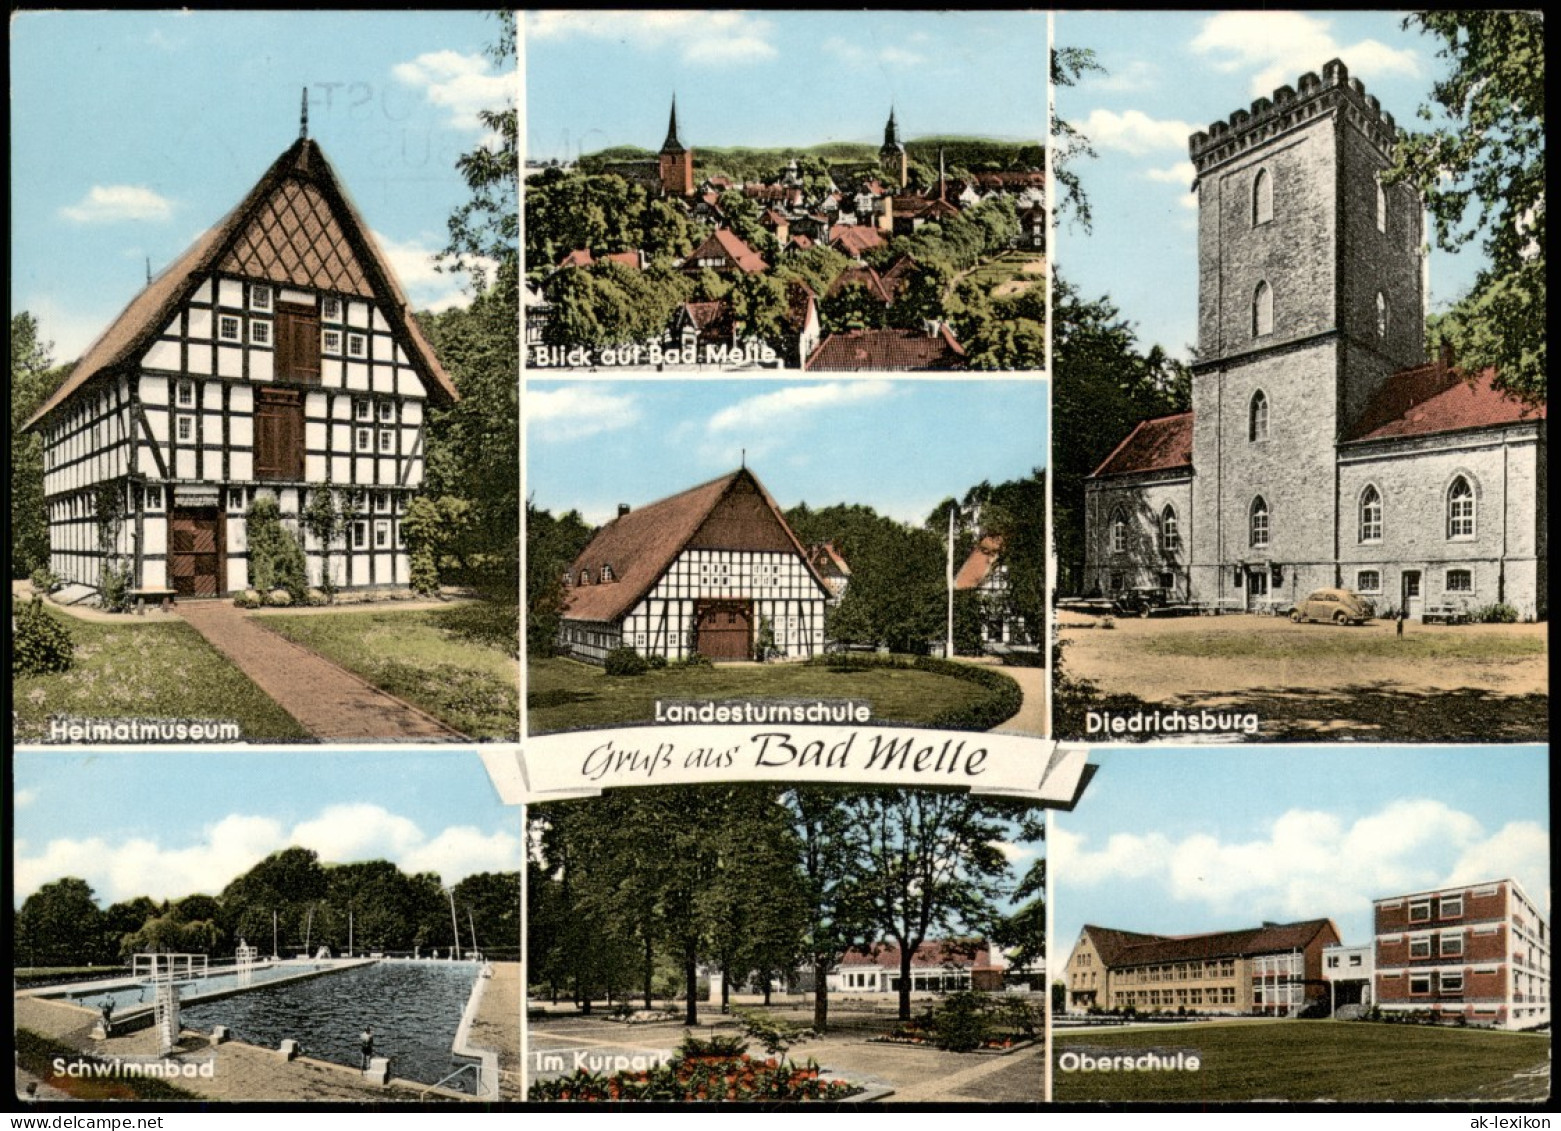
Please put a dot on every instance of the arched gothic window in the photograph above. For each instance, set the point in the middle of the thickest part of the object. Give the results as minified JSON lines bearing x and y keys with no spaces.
{"x":1118,"y":532}
{"x":1460,"y":509}
{"x":1371,"y":515}
{"x":1257,"y":417}
{"x":1382,"y":206}
{"x":1259,"y":523}
{"x":1382,"y":315}
{"x":1262,"y":310}
{"x":1262,"y":198}
{"x":1170,"y":532}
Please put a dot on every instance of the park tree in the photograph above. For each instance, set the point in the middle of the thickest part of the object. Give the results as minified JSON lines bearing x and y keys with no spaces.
{"x":829,"y":849}
{"x":33,"y":378}
{"x":552,"y":544}
{"x":1482,"y":175}
{"x":932,"y":867}
{"x":1015,"y":515}
{"x":59,"y":925}
{"x":490,"y":903}
{"x":1069,"y":67}
{"x":759,"y":305}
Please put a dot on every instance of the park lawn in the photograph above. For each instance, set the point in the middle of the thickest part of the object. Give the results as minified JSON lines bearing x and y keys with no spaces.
{"x":1010,"y":267}
{"x":453,"y":663}
{"x":569,"y":695}
{"x":1317,"y":643}
{"x":1313,"y":1060}
{"x":146,"y":671}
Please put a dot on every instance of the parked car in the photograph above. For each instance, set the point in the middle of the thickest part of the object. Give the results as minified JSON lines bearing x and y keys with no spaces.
{"x":1341,"y":606}
{"x":1140,"y":602}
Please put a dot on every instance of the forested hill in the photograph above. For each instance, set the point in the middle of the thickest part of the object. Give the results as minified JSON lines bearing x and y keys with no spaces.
{"x":975,"y":154}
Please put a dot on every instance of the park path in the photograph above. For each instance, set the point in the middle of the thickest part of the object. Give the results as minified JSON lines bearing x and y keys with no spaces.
{"x":1034,"y":685}
{"x":328,"y":701}
{"x":964,"y":1084}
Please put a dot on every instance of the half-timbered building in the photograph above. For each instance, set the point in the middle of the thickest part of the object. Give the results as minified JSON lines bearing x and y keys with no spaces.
{"x":277,"y":355}
{"x":704,"y":571}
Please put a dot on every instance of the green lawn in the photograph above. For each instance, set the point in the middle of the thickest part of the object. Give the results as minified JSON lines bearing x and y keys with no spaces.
{"x":148,"y":671}
{"x":568,"y":695}
{"x":1008,"y":267}
{"x":453,"y":663}
{"x":1312,"y":1060}
{"x":1319,"y":643}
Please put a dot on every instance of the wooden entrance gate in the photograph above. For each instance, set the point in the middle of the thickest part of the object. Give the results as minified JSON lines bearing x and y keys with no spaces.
{"x":195,"y":559}
{"x":725,"y":630}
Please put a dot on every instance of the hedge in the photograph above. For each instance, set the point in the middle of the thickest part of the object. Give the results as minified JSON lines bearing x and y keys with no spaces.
{"x":1001,"y":703}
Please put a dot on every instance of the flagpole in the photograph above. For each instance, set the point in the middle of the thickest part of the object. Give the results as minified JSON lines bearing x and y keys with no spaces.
{"x":949,"y":648}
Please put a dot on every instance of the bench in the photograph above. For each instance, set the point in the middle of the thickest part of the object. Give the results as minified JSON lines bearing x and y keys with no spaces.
{"x":1444,"y":614}
{"x":161,"y":597}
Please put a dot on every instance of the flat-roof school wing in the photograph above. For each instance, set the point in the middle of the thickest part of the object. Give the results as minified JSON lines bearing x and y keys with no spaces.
{"x":296,"y":227}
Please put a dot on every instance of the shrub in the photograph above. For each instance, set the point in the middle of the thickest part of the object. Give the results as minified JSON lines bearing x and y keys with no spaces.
{"x":1001,"y":703}
{"x":657,"y":661}
{"x":276,"y":559}
{"x":1500,"y":613}
{"x":626,"y":661}
{"x":44,"y":581}
{"x":41,"y":644}
{"x":279,"y":598}
{"x":424,"y":572}
{"x":701,"y":1048}
{"x":693,"y":660}
{"x":114,"y":587}
{"x":777,"y":1036}
{"x":248,"y":599}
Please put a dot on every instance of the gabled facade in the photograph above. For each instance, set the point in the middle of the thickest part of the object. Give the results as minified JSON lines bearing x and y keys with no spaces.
{"x":983,"y":573}
{"x":1476,"y":953}
{"x":1322,"y":449}
{"x":276,"y":356}
{"x":704,"y":571}
{"x":1275,"y":969}
{"x":940,"y":966}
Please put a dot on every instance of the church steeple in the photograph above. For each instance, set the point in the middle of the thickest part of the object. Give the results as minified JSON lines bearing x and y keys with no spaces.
{"x":892,"y":158}
{"x":672,"y":144}
{"x":891,"y":134}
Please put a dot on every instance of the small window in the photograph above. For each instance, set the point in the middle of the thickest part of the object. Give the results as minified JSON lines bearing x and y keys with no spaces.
{"x":1354,"y":960}
{"x":1118,"y":581}
{"x":387,"y":412}
{"x":1262,"y":311}
{"x":153,"y":498}
{"x":330,"y":309}
{"x":381,"y":535}
{"x":1371,"y":515}
{"x":1420,"y":911}
{"x":186,"y":394}
{"x":330,"y":342}
{"x":1368,"y":581}
{"x":1460,"y":509}
{"x":607,"y":573}
{"x":229,"y":328}
{"x":1170,"y":532}
{"x":357,"y":345}
{"x":585,"y":577}
{"x":382,"y":502}
{"x":1382,"y":315}
{"x":1259,"y":523}
{"x":1118,"y":533}
{"x":365,"y":440}
{"x":363,"y":409}
{"x":1257,"y":417}
{"x":259,"y":332}
{"x":1452,"y":905}
{"x":387,"y":441}
{"x":259,"y":297}
{"x":186,"y":429}
{"x":1452,"y":983}
{"x":1262,"y":198}
{"x":360,"y":535}
{"x":1420,"y":984}
{"x":1451,"y":946}
{"x":1458,"y":581}
{"x":1420,"y":948}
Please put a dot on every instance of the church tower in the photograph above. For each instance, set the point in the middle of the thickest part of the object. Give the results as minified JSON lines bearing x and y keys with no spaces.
{"x":1310,"y":294}
{"x":676,"y":163}
{"x":891,"y":157}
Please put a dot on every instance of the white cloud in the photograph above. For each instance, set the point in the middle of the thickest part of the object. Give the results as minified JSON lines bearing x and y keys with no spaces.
{"x":416,"y":266}
{"x":1271,"y":43}
{"x":856,"y":54}
{"x":109,"y":204}
{"x":1137,"y":75}
{"x":1309,"y":863}
{"x":227,"y":849}
{"x":1135,"y":132}
{"x":576,"y":411}
{"x":24,"y":798}
{"x":714,"y":38}
{"x":770,"y":411}
{"x":460,"y":84}
{"x":1181,"y":175}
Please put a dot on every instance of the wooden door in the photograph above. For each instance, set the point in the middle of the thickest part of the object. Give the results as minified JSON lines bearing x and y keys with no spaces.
{"x":195,"y":559}
{"x":279,"y":434}
{"x":725,"y":630}
{"x":1413,"y":603}
{"x":297,"y":344}
{"x":1257,"y":587}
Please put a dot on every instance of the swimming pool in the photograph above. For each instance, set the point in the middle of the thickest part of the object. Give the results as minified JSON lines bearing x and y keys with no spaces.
{"x":130,"y":997}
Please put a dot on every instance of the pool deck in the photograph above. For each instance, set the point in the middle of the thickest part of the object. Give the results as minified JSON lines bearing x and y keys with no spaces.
{"x":496,"y":1026}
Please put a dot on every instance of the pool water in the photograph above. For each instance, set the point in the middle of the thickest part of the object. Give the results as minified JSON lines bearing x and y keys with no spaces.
{"x":131,"y":996}
{"x":414,"y":1007}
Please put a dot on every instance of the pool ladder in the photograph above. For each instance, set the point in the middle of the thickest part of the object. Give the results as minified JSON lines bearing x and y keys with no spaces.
{"x":476,"y":1092}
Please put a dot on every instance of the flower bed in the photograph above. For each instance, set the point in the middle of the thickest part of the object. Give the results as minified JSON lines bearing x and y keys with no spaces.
{"x":696,"y":1079}
{"x":970,"y":1021}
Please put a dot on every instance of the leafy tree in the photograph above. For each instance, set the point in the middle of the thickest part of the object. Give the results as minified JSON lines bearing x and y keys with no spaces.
{"x":32,"y":380}
{"x":59,"y":925}
{"x":1069,"y":67}
{"x":829,"y":846}
{"x":1015,"y":515}
{"x":759,"y":305}
{"x":487,"y":226}
{"x":853,"y":307}
{"x":1484,"y":175}
{"x":491,"y":903}
{"x":552,"y":544}
{"x":744,"y":216}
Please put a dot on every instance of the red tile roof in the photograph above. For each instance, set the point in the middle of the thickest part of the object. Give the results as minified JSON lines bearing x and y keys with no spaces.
{"x":800,"y":241}
{"x":1125,"y":948}
{"x":641,"y":545}
{"x":827,"y":560}
{"x":888,"y":349}
{"x":712,"y":320}
{"x":627,"y":258}
{"x":1159,"y":444}
{"x":957,"y":953}
{"x":982,"y":557}
{"x":854,"y":239}
{"x":1434,"y":398}
{"x":723,"y":242}
{"x":579,"y":257}
{"x":299,"y":186}
{"x":864,"y":277}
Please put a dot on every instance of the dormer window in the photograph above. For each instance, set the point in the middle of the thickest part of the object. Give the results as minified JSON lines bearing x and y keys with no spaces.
{"x":260,"y":297}
{"x":585,"y":577}
{"x":607,"y":573}
{"x":569,"y":579}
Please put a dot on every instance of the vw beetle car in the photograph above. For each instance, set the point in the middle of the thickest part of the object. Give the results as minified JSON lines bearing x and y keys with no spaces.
{"x":1340,"y":606}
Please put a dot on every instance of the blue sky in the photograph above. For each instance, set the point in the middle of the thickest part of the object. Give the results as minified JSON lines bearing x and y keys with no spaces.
{"x":1180,"y":841}
{"x":900,"y":446}
{"x":1170,"y":74}
{"x":133,"y":132}
{"x":595,"y":79}
{"x":171,"y":823}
